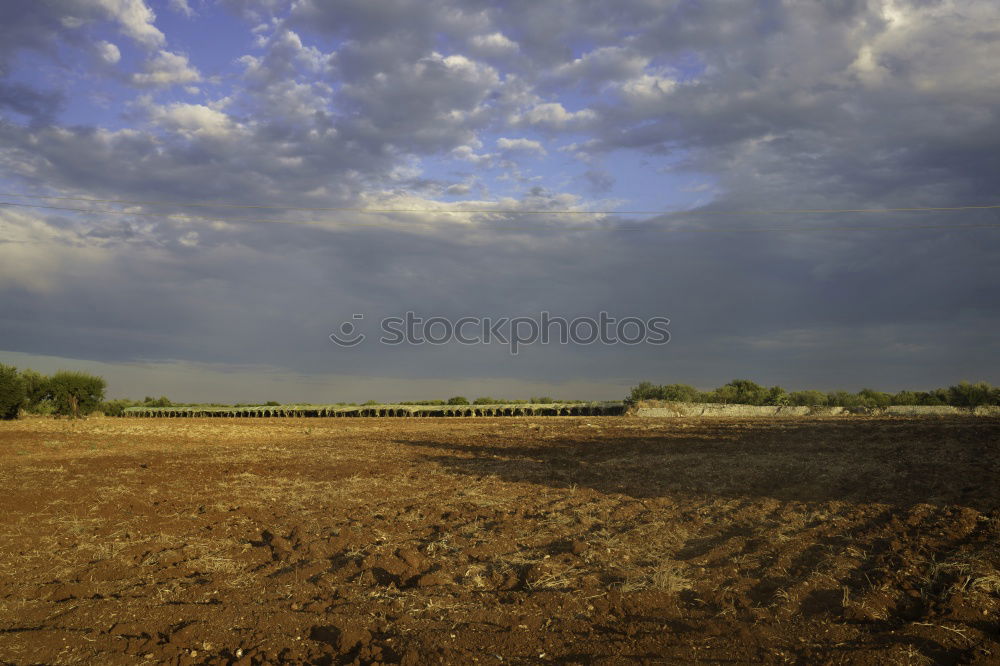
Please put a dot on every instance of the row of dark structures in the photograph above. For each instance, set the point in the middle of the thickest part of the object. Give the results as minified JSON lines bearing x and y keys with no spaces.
{"x":399,"y":411}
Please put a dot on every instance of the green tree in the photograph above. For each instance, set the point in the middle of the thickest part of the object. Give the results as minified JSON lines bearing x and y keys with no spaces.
{"x":644,"y":391}
{"x":842,"y":399}
{"x":74,"y":393}
{"x":933,"y":398}
{"x":36,"y":387}
{"x":807,"y":398}
{"x":873,"y":399}
{"x":741,"y":392}
{"x":969,"y":395}
{"x":458,"y":400}
{"x":679,"y":393}
{"x":12,"y":393}
{"x":777,"y":396}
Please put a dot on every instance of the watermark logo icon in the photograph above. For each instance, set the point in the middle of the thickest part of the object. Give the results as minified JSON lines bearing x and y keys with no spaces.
{"x":347,"y":335}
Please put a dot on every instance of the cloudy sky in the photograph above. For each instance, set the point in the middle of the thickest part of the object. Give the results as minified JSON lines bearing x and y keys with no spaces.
{"x":724,"y":116}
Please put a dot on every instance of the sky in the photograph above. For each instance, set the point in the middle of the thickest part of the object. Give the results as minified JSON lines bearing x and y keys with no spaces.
{"x":643,"y":158}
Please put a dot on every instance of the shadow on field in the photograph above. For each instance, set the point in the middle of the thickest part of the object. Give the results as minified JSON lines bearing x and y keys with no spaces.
{"x":896,"y":462}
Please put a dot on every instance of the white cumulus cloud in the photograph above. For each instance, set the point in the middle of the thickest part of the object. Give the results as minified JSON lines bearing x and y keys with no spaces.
{"x":167,"y":69}
{"x":108,"y":52}
{"x":193,"y":119}
{"x":554,"y":116}
{"x":136,"y":20}
{"x":520,"y":145}
{"x":494,"y":44}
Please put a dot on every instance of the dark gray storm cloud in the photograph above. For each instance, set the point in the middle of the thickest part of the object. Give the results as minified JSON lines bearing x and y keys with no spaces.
{"x":774,"y":106}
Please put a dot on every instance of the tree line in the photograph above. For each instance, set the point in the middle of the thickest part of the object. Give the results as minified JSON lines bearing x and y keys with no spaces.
{"x":67,"y":392}
{"x":71,"y":393}
{"x":747,"y":392}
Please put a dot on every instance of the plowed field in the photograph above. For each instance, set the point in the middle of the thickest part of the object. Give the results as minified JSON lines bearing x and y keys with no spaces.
{"x":500,"y":540}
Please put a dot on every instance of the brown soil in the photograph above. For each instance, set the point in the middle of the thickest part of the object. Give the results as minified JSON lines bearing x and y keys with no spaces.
{"x":518,"y":540}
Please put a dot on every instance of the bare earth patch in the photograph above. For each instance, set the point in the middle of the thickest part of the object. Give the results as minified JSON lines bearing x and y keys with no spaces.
{"x":514,"y":540}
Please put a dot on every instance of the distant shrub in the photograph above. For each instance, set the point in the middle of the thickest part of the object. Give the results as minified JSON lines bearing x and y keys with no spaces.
{"x":873,"y":399}
{"x":162,"y":401}
{"x":644,"y":391}
{"x":935,"y":397}
{"x":12,"y":393}
{"x":544,"y":400}
{"x":807,"y":398}
{"x":36,"y":387}
{"x":488,"y":401}
{"x":671,"y":392}
{"x":842,"y":399}
{"x":75,"y":393}
{"x":777,"y":396}
{"x":115,"y":407}
{"x":679,"y":393}
{"x":44,"y":408}
{"x":746,"y":392}
{"x":458,"y":400}
{"x":969,"y":395}
{"x":739,"y":392}
{"x":272,"y":403}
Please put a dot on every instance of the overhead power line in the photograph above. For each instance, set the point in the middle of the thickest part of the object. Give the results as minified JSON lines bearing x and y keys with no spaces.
{"x":642,"y":227}
{"x":505,"y":211}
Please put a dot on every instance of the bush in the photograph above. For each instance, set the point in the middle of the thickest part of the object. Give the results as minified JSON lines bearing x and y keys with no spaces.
{"x":842,"y":399}
{"x":644,"y":391}
{"x":740,"y":392}
{"x":969,"y":395}
{"x":746,"y":392}
{"x":12,"y":393}
{"x":115,"y":407}
{"x":807,"y":399}
{"x":36,"y":388}
{"x":777,"y":396}
{"x":935,"y":397}
{"x":544,"y":400}
{"x":73,"y":393}
{"x":458,"y":400}
{"x":680,"y":393}
{"x":672,"y":392}
{"x":873,"y":399}
{"x":488,"y":401}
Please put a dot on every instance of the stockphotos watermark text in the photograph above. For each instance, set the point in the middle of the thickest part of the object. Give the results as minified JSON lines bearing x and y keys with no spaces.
{"x":515,"y":332}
